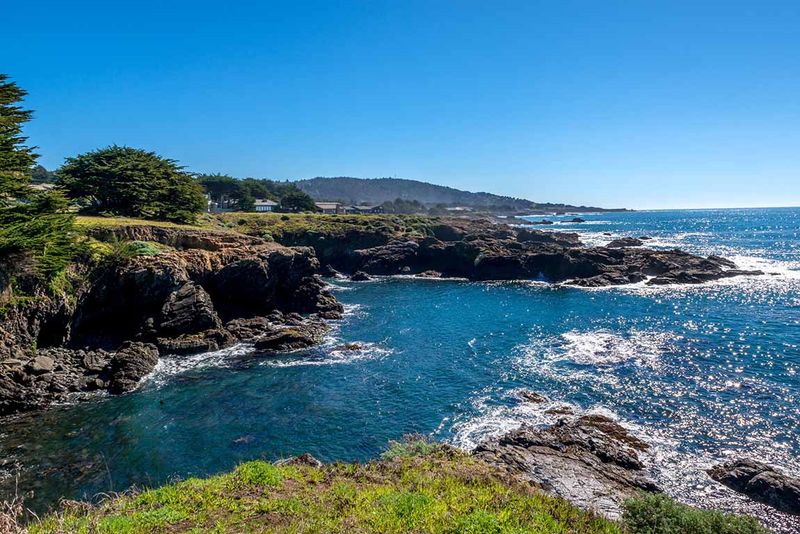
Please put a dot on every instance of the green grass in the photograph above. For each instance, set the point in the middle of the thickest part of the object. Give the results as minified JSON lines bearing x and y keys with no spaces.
{"x":280,"y":226}
{"x":417,"y":486}
{"x":440,"y":491}
{"x":86,"y":221}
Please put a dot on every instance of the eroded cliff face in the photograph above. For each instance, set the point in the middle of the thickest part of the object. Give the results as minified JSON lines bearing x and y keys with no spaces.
{"x":209,"y":290}
{"x":483,"y":250}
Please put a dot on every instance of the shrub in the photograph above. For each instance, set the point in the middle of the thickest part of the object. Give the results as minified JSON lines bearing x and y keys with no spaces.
{"x":658,"y":514}
{"x":412,"y":445}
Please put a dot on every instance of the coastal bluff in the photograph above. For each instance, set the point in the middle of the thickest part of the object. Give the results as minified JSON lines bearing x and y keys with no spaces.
{"x":201,"y":291}
{"x":161,"y":290}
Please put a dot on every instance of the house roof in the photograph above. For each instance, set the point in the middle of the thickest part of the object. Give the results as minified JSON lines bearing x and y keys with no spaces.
{"x":327,"y":205}
{"x":262,"y":202}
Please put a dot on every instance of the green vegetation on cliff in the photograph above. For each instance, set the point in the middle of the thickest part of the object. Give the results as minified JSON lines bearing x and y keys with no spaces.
{"x":126,"y":181}
{"x":415,"y":487}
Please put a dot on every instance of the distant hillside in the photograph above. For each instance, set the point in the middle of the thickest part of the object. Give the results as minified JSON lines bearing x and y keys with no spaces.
{"x":379,"y":190}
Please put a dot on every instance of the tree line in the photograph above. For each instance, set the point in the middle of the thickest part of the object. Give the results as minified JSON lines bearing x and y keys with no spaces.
{"x":38,"y":207}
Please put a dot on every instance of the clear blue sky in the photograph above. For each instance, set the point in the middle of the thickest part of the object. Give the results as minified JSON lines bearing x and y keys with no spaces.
{"x":641,"y":104}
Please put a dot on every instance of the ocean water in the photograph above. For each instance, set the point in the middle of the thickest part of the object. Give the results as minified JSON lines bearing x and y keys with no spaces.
{"x":702,"y":373}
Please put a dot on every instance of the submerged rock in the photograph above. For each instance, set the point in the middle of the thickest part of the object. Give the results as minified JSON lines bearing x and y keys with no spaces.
{"x":531,"y":396}
{"x":760,"y":482}
{"x":360,"y":276}
{"x":591,"y":461}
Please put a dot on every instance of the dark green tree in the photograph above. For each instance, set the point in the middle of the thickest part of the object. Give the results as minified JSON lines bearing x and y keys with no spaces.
{"x":296,"y":201}
{"x":227,"y":191}
{"x":35,"y":225}
{"x":120,"y":180}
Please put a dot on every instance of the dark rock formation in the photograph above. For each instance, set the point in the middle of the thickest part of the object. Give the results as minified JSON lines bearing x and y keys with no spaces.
{"x":360,"y":276}
{"x":479,"y":249}
{"x":761,"y":483}
{"x":625,"y":242}
{"x":578,"y":220}
{"x":531,"y":396}
{"x":130,"y":364}
{"x":215,"y":288}
{"x":590,"y":461}
{"x":287,"y":339}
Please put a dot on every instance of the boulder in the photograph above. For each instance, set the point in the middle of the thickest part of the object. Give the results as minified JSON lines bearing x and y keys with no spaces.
{"x":578,"y":220}
{"x":531,"y":396}
{"x":360,"y":276}
{"x":132,"y":362}
{"x":286,"y":339}
{"x":188,"y":310}
{"x":587,"y":460}
{"x":41,"y":365}
{"x":760,"y":482}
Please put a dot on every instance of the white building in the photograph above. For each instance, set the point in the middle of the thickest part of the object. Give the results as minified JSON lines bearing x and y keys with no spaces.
{"x":263,"y":205}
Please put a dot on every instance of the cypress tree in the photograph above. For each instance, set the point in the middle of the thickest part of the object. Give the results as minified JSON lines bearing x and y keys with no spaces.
{"x":36,"y":224}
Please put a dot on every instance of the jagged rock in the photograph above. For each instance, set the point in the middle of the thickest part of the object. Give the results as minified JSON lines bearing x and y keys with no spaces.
{"x":206,"y":341}
{"x":360,"y":276}
{"x":328,"y":271}
{"x":429,"y":274}
{"x":578,"y":220}
{"x":95,"y":360}
{"x":625,"y":242}
{"x":188,"y":310}
{"x":41,"y":365}
{"x":131,"y":363}
{"x":531,"y":396}
{"x":761,"y":483}
{"x":585,"y":460}
{"x":287,"y":339}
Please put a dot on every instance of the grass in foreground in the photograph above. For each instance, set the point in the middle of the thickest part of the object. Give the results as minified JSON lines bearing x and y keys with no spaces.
{"x":441,"y":491}
{"x":415,"y":487}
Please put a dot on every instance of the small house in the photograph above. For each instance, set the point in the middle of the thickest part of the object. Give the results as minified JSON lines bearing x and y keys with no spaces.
{"x":264,"y":205}
{"x":328,"y":207}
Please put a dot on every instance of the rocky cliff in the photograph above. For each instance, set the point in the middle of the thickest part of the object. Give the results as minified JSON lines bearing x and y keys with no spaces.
{"x":483,"y":250}
{"x":205,"y":291}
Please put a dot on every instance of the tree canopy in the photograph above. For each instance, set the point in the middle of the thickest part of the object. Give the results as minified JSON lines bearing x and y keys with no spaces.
{"x":36,"y":224}
{"x":120,"y":180}
{"x":234,"y":193}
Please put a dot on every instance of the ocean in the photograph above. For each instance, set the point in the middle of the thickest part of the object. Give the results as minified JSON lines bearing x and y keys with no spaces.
{"x":702,"y":373}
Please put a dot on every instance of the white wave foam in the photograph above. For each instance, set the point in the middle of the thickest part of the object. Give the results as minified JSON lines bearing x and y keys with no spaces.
{"x":170,"y":366}
{"x":605,"y":347}
{"x":493,"y":421}
{"x":333,"y":355}
{"x":599,"y":347}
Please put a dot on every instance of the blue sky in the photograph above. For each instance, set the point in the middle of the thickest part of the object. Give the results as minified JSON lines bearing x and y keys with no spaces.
{"x":641,"y":104}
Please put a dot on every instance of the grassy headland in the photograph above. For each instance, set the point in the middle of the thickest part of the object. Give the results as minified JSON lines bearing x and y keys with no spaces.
{"x":415,"y":487}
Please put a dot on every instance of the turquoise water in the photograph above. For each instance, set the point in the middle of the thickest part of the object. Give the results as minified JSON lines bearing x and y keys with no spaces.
{"x":703,"y":373}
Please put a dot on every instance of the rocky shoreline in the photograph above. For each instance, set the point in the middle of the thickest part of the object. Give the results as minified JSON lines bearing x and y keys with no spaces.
{"x":594,"y":463}
{"x":210,"y":289}
{"x":483,"y":250}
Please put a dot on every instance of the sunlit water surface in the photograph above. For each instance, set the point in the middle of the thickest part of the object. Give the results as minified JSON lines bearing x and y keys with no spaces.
{"x":703,"y":373}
